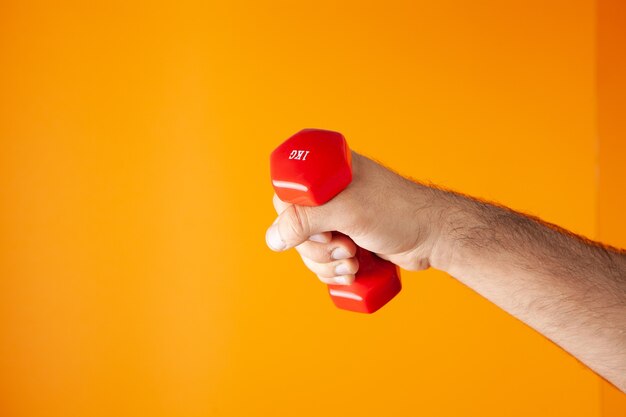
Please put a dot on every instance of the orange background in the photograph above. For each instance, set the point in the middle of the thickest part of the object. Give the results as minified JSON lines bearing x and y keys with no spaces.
{"x":134,"y":197}
{"x":611,"y":69}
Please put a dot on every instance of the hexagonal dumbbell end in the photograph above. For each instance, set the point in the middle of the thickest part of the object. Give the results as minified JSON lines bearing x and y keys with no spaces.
{"x":376,"y":283}
{"x":309,"y":169}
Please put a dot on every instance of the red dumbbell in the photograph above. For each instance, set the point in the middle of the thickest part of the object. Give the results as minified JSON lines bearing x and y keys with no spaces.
{"x":309,"y":169}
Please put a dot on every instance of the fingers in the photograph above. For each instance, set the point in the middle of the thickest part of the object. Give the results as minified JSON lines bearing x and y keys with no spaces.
{"x":337,"y":272}
{"x":324,"y":237}
{"x":339,"y":247}
{"x":332,"y":262}
{"x":292,"y":227}
{"x":297,"y":224}
{"x":329,"y":256}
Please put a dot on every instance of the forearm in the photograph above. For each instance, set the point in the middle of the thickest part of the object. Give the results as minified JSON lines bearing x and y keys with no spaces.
{"x":568,"y":288}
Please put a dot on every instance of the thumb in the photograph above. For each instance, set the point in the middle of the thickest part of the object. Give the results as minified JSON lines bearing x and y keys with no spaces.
{"x":294,"y":225}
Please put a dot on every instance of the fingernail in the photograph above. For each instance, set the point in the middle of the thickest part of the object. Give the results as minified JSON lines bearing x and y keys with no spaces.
{"x":340,"y":253}
{"x":343,"y":280}
{"x":273,"y":239}
{"x":318,"y":237}
{"x":342,"y":269}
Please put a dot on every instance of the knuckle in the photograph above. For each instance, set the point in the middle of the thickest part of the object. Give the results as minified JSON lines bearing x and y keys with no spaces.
{"x":314,"y":251}
{"x":325,"y":280}
{"x":325,"y":270}
{"x":347,"y":267}
{"x":353,"y":264}
{"x":322,"y":255}
{"x":297,"y":222}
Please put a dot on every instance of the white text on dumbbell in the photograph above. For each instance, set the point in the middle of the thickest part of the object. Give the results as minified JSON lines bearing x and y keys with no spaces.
{"x":299,"y":155}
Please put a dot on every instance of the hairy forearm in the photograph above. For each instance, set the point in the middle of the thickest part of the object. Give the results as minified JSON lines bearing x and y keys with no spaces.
{"x":568,"y":288}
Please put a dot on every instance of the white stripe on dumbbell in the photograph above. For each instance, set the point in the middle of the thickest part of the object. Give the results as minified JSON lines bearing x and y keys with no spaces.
{"x":345,"y":294}
{"x":292,"y":185}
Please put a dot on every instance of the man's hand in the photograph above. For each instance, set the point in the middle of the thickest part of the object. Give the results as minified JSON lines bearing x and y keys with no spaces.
{"x":380,"y":210}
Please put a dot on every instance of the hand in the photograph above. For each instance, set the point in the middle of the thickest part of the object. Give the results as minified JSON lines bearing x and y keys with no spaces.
{"x":380,"y":211}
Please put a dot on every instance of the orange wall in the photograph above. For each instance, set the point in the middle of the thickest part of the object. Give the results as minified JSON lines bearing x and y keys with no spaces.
{"x":134,"y":196}
{"x":611,"y":43}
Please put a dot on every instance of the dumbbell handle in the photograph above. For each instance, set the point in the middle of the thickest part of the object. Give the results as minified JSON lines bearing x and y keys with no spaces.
{"x":310,"y":168}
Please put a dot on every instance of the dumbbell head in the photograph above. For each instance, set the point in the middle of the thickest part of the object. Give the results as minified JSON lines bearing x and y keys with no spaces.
{"x":311,"y":167}
{"x":377,"y":282}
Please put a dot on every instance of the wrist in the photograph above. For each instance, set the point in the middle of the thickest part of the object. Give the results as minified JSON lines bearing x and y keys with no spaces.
{"x":427,"y":212}
{"x":448,"y":216}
